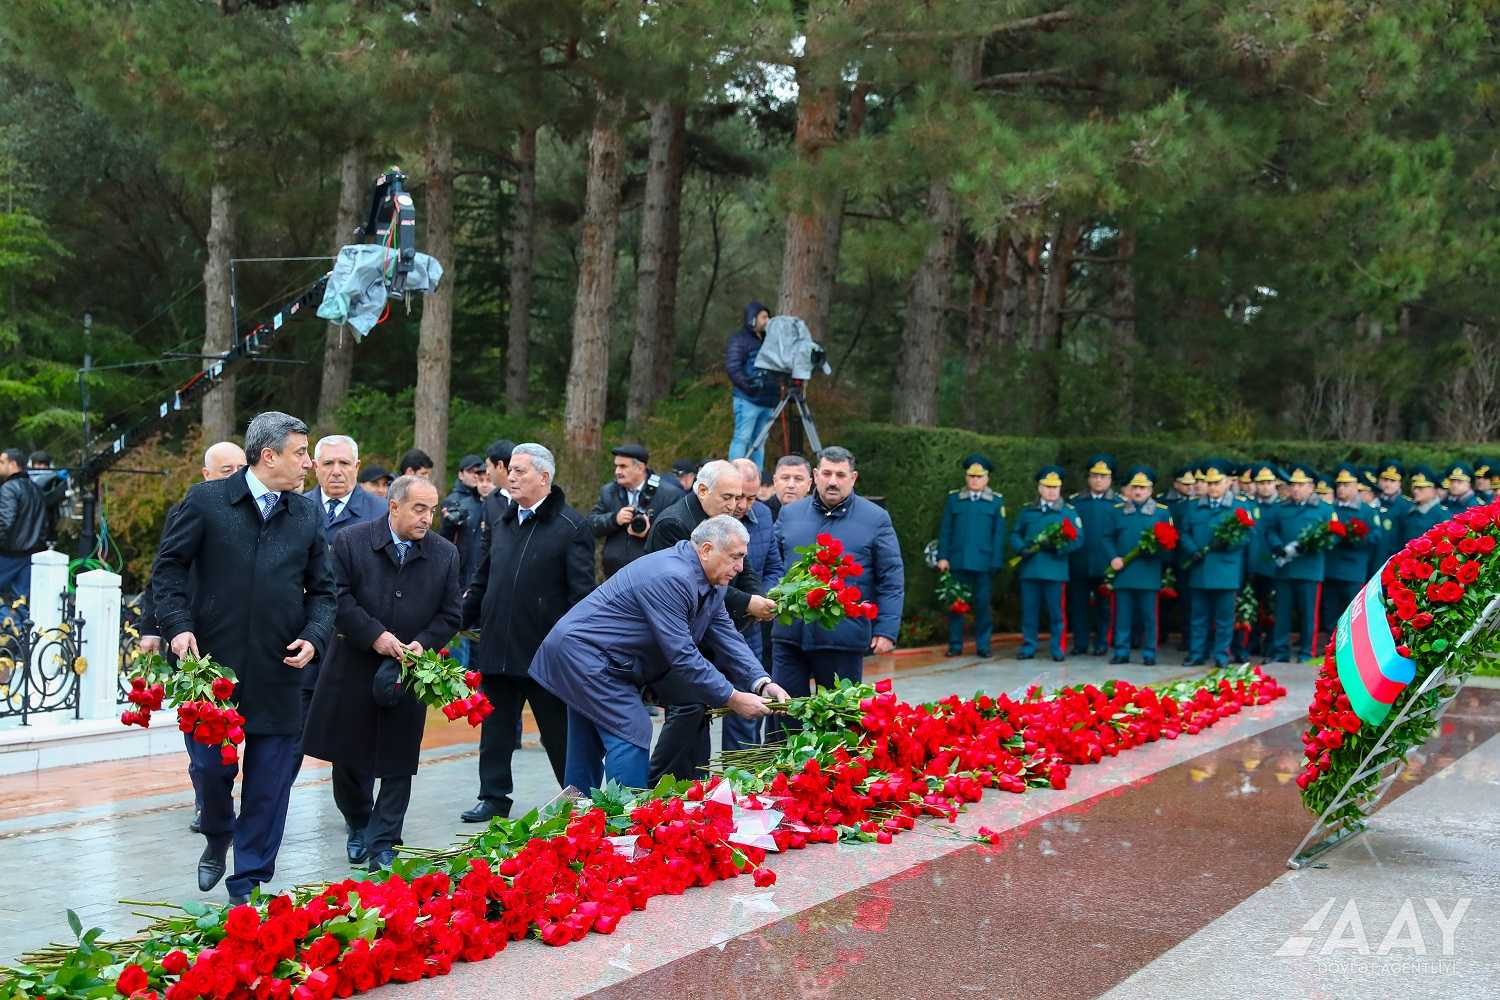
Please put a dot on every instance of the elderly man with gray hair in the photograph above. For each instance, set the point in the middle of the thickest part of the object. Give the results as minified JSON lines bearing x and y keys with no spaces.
{"x":643,"y":627}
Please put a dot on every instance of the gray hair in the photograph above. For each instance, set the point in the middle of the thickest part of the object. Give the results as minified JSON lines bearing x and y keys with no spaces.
{"x":402,"y":486}
{"x":336,"y":439}
{"x":270,"y":430}
{"x":709,"y":475}
{"x":787,"y":461}
{"x":540,"y":457}
{"x":718,"y":531}
{"x":833,"y":453}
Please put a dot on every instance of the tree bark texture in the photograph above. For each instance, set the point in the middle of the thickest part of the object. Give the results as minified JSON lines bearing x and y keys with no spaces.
{"x":522,"y":230}
{"x":656,"y":270}
{"x":805,"y":255}
{"x":588,"y":372}
{"x":978,"y":330}
{"x":435,"y":340}
{"x":338,"y":342}
{"x":218,"y":312}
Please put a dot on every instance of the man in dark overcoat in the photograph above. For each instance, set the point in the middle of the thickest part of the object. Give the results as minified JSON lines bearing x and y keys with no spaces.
{"x":397,"y":584}
{"x":538,"y":562}
{"x":242,"y":576}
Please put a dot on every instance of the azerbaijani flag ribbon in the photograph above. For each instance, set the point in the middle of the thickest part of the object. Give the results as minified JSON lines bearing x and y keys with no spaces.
{"x":1370,"y":669}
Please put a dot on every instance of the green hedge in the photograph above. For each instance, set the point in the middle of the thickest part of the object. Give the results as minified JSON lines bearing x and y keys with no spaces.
{"x":913,"y":468}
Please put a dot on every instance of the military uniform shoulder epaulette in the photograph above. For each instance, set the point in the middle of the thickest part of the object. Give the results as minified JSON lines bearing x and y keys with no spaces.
{"x":1119,"y":504}
{"x":1070,"y":507}
{"x":953,"y":492}
{"x":1074,"y":496}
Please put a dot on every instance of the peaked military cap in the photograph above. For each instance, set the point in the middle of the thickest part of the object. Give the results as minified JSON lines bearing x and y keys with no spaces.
{"x":1141,"y":475}
{"x":1346,"y":472}
{"x":1102,"y":464}
{"x":1391,"y":468}
{"x":1458,"y":470}
{"x":1049,"y":475}
{"x":1421,"y":475}
{"x":977,"y":463}
{"x":1301,"y":472}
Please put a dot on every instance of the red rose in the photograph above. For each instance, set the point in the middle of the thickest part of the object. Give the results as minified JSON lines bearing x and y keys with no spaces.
{"x":132,"y":981}
{"x":223,"y":688}
{"x":871,"y":611}
{"x":764,"y":877}
{"x":1338,"y":528}
{"x":1486,"y":544}
{"x":824,"y":538}
{"x":229,"y":754}
{"x":1420,"y":546}
{"x":1468,"y":572}
{"x":816,"y":597}
{"x":242,"y":922}
{"x":174,"y":962}
{"x":883,"y":685}
{"x":1244,"y":517}
{"x":1455,"y":529}
{"x":1421,"y":621}
{"x":1069,"y":531}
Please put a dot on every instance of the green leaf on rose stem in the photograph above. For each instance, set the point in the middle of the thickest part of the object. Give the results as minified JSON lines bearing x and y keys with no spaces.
{"x":75,"y":924}
{"x":207,"y":922}
{"x":1439,"y":645}
{"x":194,"y":909}
{"x":738,"y":859}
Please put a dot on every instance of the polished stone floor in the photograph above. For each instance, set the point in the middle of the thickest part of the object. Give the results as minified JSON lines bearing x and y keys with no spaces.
{"x":1159,"y":872}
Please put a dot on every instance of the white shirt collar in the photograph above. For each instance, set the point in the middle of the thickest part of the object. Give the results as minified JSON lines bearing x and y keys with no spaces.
{"x":339,"y":502}
{"x":258,"y":489}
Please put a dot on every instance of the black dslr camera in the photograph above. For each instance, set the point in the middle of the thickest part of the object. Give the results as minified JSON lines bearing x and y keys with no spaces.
{"x":641,"y":522}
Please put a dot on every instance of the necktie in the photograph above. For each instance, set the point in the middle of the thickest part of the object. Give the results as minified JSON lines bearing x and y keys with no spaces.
{"x":333,"y":512}
{"x":401,"y":548}
{"x":523,"y":515}
{"x":267,"y":501}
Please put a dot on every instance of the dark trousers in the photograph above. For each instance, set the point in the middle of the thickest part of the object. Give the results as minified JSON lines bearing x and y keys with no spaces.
{"x":1299,"y":597}
{"x":497,"y":734}
{"x":15,"y":576}
{"x":1265,"y":612}
{"x":1337,"y":596}
{"x":739,"y":733}
{"x":684,"y":746}
{"x":984,"y":627}
{"x":1135,"y":618}
{"x":1088,"y":613}
{"x":795,"y":668}
{"x":1185,"y":595}
{"x":379,"y":817}
{"x":270,"y":766}
{"x":1213,"y":624}
{"x":195,"y":772}
{"x":1036,"y":595}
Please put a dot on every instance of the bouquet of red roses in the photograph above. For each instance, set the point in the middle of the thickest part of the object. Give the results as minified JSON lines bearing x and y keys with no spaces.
{"x":1160,"y":537}
{"x":201,"y":690}
{"x":1228,"y":533}
{"x":441,"y":683}
{"x":1355,"y":531}
{"x":822,"y":572}
{"x":953,"y":595}
{"x":1318,"y":537}
{"x":1052,"y":538}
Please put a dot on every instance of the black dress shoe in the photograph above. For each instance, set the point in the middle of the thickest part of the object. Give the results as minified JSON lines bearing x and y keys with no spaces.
{"x":1098,"y":651}
{"x":382,"y":859}
{"x":952,"y":652}
{"x":1058,"y":658}
{"x":1149,"y":661}
{"x":211,"y":864}
{"x":1025,"y":656}
{"x":238,"y":900}
{"x":1076,"y":650}
{"x":1192,"y":663}
{"x":983,"y":654}
{"x":355,"y":847}
{"x":197,"y":824}
{"x":1117,"y":659}
{"x":483,"y":812}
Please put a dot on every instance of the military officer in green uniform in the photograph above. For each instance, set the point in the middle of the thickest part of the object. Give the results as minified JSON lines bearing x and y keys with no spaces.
{"x":1426,"y":509}
{"x":1181,"y":492}
{"x":1486,"y":475}
{"x":1459,"y":482}
{"x":1346,"y":566}
{"x":1044,"y":571}
{"x":1137,"y":581}
{"x":1215,"y":572}
{"x":971,"y":546}
{"x":1299,"y":574}
{"x":1391,"y":504}
{"x":1261,"y":567}
{"x":1088,"y":609}
{"x":1367,"y":481}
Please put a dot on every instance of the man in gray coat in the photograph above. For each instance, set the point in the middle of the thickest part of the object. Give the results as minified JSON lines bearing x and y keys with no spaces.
{"x":643,"y":627}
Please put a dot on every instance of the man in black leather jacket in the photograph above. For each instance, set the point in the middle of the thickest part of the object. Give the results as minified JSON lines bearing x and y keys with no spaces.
{"x":629,"y":506}
{"x":23,"y":525}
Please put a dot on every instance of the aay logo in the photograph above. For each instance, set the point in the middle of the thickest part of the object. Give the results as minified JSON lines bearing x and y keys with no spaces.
{"x":1348,"y":937}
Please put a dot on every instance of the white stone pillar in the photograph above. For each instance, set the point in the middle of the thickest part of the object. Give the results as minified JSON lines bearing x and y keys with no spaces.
{"x":49,"y":581}
{"x":99,"y":607}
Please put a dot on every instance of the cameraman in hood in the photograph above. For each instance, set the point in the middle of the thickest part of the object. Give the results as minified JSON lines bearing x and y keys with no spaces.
{"x":756,"y":392}
{"x":628,"y":507}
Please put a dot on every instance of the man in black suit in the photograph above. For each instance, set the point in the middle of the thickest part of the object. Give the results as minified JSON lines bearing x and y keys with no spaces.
{"x":260,"y":602}
{"x":629,"y":506}
{"x":397,"y":583}
{"x":538,"y":562}
{"x":342,"y":504}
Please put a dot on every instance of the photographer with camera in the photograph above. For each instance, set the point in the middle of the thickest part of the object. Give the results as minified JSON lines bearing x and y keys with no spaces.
{"x":629,"y":506}
{"x":463,"y":509}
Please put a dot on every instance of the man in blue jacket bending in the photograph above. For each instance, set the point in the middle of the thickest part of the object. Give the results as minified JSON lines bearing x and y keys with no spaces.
{"x":756,"y":392}
{"x":802,"y":653}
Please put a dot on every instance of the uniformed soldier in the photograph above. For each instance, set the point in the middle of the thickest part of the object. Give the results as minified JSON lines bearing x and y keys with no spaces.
{"x":1136,"y":582}
{"x":1392,"y":506}
{"x":1246,"y":487}
{"x":1262,"y":567}
{"x":971,"y":546}
{"x":1346,"y":566}
{"x":1044,"y":572}
{"x":1323,"y":489}
{"x":1487,"y":482}
{"x":1214,"y":573}
{"x":1426,"y":510}
{"x":1459,"y":482}
{"x":1299,"y":575}
{"x":1175,"y":615}
{"x":1366,"y":486}
{"x":1088,"y":609}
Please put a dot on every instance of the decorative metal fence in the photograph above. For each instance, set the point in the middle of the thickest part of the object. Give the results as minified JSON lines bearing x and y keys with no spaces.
{"x":39,"y":668}
{"x":130,"y":645}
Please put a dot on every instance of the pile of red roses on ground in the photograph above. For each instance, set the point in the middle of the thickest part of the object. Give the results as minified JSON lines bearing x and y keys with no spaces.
{"x":1434,"y":590}
{"x":203,"y":692}
{"x":816,"y":589}
{"x":865,"y":767}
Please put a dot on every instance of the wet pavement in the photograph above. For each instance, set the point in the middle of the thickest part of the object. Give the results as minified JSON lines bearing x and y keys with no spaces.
{"x":1145,"y":876}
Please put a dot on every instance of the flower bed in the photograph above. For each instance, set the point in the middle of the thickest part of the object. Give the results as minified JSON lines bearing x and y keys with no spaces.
{"x":864,"y":767}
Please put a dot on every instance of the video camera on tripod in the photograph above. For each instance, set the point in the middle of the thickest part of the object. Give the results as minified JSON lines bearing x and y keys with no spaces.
{"x":791,"y":355}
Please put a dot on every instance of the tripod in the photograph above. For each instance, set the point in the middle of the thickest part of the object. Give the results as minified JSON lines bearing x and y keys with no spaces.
{"x":791,"y":392}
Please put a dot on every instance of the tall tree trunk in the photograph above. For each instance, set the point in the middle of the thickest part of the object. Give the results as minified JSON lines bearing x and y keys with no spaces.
{"x":1035,"y":340}
{"x":218,"y":313}
{"x":522,"y":230}
{"x":338,"y":342}
{"x":588,"y":372}
{"x":1055,"y":292}
{"x":1124,"y":345}
{"x":978,"y":340}
{"x":805,"y":256}
{"x":656,"y":273}
{"x":1007,"y":294}
{"x":435,"y":341}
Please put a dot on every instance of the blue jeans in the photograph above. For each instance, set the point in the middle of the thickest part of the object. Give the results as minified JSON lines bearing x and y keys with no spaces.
{"x":593,"y":753}
{"x":458,"y":651}
{"x":749,"y":420}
